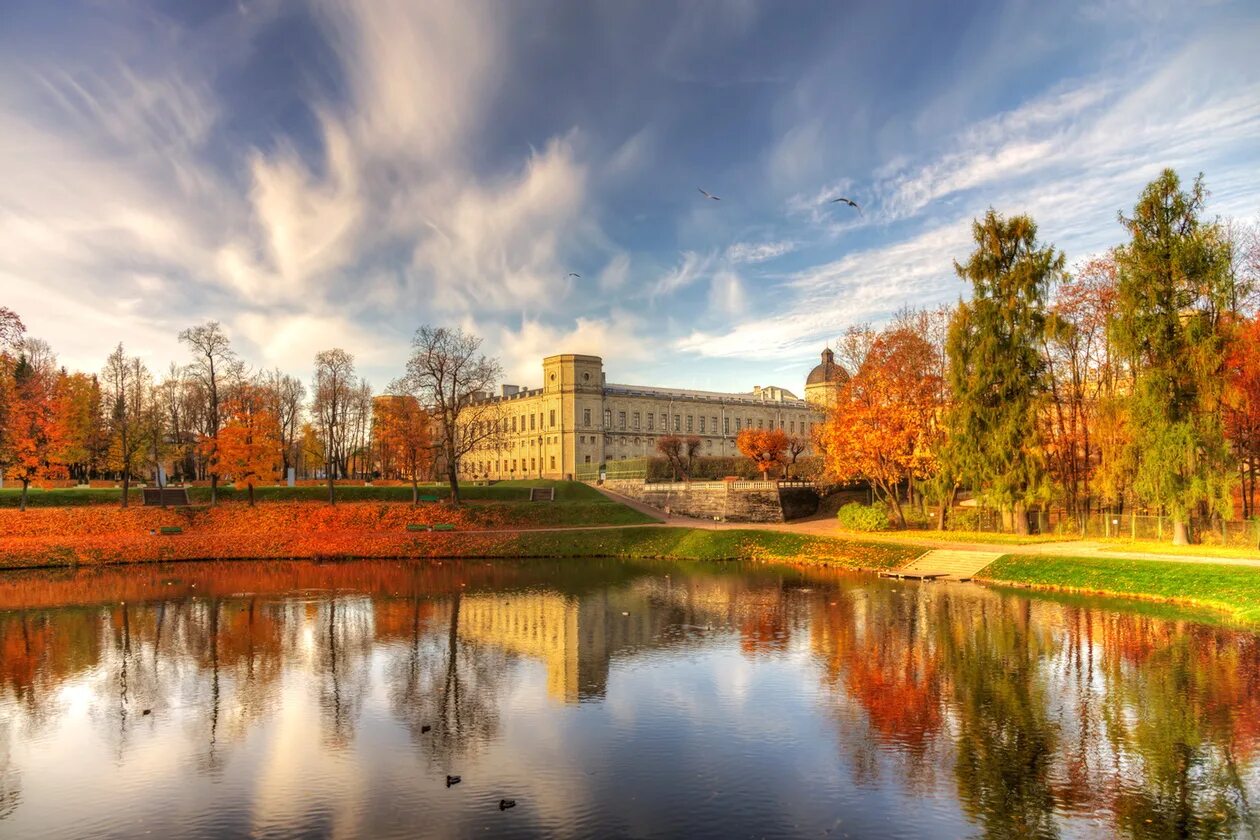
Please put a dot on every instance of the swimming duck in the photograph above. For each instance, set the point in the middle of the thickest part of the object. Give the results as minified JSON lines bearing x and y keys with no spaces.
{"x":452,"y":780}
{"x":504,"y":804}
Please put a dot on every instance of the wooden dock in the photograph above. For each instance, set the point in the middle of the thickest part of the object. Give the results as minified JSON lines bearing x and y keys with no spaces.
{"x":945,"y":564}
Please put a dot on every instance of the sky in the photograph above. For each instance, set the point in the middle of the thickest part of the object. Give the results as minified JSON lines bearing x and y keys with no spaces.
{"x":336,"y":174}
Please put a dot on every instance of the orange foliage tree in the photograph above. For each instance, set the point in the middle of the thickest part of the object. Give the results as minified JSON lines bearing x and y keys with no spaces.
{"x":405,"y":439}
{"x":33,"y":435}
{"x":764,"y":447}
{"x":249,"y":443}
{"x":884,"y":425}
{"x":1242,"y":407}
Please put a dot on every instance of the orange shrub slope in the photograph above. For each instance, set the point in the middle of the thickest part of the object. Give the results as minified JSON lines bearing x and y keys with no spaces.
{"x":64,"y":536}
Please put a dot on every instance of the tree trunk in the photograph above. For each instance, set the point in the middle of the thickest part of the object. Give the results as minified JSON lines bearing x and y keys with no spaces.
{"x":896,"y":506}
{"x":126,"y":478}
{"x":453,"y":478}
{"x":1020,"y":514}
{"x":332,"y":498}
{"x":214,"y":489}
{"x":415,"y":492}
{"x":947,"y":506}
{"x":26,"y":482}
{"x":1181,"y":532}
{"x":251,"y":494}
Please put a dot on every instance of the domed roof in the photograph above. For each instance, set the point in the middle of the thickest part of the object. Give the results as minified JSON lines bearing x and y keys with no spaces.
{"x":827,"y":372}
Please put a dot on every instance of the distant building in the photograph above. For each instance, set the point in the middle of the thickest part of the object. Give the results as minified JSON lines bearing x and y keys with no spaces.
{"x":825,"y":381}
{"x":577,"y":419}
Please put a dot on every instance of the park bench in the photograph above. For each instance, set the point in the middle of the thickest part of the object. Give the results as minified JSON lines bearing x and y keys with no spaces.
{"x":167,"y":530}
{"x":444,"y":526}
{"x":542,"y":494}
{"x":428,"y":499}
{"x":412,"y":526}
{"x":173,"y":496}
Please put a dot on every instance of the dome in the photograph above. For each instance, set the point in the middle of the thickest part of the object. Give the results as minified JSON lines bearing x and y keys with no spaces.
{"x":827,"y":372}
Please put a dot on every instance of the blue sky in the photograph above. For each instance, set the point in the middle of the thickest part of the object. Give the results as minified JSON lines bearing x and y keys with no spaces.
{"x":336,"y":174}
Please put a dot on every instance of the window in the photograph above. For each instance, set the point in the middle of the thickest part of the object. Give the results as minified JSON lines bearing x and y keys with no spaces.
{"x":514,"y":424}
{"x":760,"y":423}
{"x":621,"y":419}
{"x":636,"y":421}
{"x":513,"y":465}
{"x":792,"y":427}
{"x":677,"y":422}
{"x":552,"y":422}
{"x":701,"y":425}
{"x":586,"y":417}
{"x":607,"y":418}
{"x":553,"y":462}
{"x":713,"y":425}
{"x":708,"y":444}
{"x":533,"y":464}
{"x":664,"y":422}
{"x":737,"y":425}
{"x":689,"y":422}
{"x":726,"y":425}
{"x":650,"y":418}
{"x":586,"y":459}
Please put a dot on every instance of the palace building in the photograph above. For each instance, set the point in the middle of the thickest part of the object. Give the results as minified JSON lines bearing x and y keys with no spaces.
{"x":577,"y":420}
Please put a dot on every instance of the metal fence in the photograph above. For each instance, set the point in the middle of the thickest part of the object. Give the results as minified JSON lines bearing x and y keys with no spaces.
{"x":627,"y":469}
{"x":1101,"y":524}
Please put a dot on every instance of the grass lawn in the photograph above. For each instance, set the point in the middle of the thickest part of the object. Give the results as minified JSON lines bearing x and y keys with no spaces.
{"x":982,"y":537}
{"x":702,"y":544}
{"x":1233,"y":590}
{"x":1156,"y":547}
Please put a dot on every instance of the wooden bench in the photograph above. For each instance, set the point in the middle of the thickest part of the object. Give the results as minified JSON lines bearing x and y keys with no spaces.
{"x":428,"y":499}
{"x":173,"y":496}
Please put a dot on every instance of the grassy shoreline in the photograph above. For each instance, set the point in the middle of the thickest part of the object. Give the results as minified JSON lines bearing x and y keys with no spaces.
{"x":1233,"y":591}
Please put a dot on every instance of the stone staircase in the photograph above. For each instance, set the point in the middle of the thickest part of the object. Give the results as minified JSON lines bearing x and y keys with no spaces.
{"x":945,"y":564}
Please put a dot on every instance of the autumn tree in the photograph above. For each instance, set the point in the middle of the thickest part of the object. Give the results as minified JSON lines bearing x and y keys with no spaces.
{"x":286,"y":396}
{"x":80,"y":417}
{"x":453,"y":380}
{"x":796,"y":447}
{"x":12,"y":331}
{"x":216,"y":367}
{"x":1082,"y":375}
{"x":882,"y":427}
{"x":402,"y":426}
{"x":996,"y":373}
{"x":126,"y":385}
{"x":764,"y":447}
{"x":1242,"y":407}
{"x":671,"y":446}
{"x":249,"y":449}
{"x":334,"y":390}
{"x":33,"y":434}
{"x":1174,"y":297}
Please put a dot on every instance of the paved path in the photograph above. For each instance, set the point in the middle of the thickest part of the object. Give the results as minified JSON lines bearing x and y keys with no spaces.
{"x":826,"y":526}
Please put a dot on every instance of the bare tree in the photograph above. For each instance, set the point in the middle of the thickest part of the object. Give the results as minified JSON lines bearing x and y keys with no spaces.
{"x":126,"y":384}
{"x":214,"y":365}
{"x":286,"y":394}
{"x":334,"y":390}
{"x":454,"y":380}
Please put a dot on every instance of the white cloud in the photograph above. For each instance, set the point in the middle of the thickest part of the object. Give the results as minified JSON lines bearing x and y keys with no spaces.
{"x":618,"y":339}
{"x":691,"y":268}
{"x":726,"y":294}
{"x":757,"y":252}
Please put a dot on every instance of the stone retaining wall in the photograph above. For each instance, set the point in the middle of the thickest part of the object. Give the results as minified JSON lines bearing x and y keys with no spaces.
{"x":731,"y":501}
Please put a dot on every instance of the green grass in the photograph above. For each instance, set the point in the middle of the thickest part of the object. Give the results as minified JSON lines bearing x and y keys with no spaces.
{"x":982,"y":537}
{"x":1233,"y":590}
{"x":700,"y":544}
{"x":1156,"y":547}
{"x":503,"y":491}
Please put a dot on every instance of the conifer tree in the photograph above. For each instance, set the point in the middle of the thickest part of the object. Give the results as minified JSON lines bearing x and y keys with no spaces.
{"x":996,"y":370}
{"x":1175,"y":296}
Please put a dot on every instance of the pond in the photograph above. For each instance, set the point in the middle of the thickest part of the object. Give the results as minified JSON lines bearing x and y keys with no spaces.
{"x":609,"y":699}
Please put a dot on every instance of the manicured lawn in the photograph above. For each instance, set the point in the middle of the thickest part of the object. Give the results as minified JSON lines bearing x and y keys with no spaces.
{"x":982,"y":537}
{"x":1234,"y":590}
{"x":701,"y":544}
{"x":1155,"y":547}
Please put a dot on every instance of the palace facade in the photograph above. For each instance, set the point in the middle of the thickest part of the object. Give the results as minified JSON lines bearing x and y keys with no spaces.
{"x":577,"y":420}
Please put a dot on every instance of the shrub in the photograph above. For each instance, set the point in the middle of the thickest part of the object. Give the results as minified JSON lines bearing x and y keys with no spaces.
{"x":962,"y":519}
{"x":858,"y":517}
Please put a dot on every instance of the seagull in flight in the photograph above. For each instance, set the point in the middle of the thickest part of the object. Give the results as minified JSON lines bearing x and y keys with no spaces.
{"x":708,"y":195}
{"x":575,"y":274}
{"x":847,"y":201}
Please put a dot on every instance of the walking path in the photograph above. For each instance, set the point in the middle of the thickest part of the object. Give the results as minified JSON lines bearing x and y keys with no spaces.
{"x":828,"y":527}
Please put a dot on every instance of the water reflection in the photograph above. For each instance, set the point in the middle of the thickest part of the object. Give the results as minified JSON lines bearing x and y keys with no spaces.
{"x":334,"y":698}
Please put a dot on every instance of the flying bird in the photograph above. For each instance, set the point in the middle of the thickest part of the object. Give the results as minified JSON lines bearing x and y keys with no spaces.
{"x":575,"y":274}
{"x":847,"y":201}
{"x":708,"y":195}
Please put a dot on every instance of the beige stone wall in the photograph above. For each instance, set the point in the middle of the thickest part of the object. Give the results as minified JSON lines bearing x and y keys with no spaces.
{"x":728,"y":501}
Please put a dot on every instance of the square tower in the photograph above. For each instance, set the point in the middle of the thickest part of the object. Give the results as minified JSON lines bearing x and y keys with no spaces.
{"x":573,"y":386}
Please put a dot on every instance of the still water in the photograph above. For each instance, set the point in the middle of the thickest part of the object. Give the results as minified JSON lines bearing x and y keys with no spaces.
{"x":608,"y":699}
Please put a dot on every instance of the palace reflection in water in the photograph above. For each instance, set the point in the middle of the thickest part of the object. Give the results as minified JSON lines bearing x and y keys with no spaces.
{"x":332,"y":699}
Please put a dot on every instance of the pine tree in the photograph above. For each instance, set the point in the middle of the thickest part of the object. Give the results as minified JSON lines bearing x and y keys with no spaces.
{"x":1175,"y":294}
{"x":996,"y":370}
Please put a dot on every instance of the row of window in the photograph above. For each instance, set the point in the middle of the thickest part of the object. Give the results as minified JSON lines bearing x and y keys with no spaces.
{"x":688,"y":423}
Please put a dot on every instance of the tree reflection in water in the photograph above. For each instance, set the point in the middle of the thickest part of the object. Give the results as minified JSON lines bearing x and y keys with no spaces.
{"x":1035,"y":718}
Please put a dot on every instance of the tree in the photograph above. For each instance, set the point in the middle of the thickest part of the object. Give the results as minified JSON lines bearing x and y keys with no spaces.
{"x":286,"y":395}
{"x":214,"y":365}
{"x":671,"y":446}
{"x":11,"y":332}
{"x":997,"y":378}
{"x":764,"y":447}
{"x":80,"y":417}
{"x":453,"y":380}
{"x":334,"y":388}
{"x":1174,"y":297}
{"x":1082,"y":376}
{"x":882,"y":427}
{"x":33,"y":433}
{"x":402,"y":427}
{"x":1242,"y":413}
{"x":796,"y":447}
{"x":248,"y":446}
{"x":125,"y":385}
